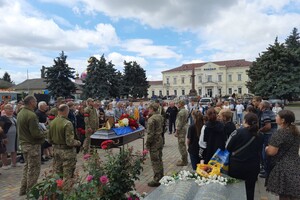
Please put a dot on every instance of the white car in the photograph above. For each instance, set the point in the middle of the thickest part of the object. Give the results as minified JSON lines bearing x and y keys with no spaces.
{"x":204,"y":101}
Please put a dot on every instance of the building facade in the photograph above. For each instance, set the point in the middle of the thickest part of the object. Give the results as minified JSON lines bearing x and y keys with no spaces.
{"x":212,"y":79}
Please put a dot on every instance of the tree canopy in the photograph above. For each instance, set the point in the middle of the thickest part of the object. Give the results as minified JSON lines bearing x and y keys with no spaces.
{"x":276,"y":72}
{"x":135,"y":82}
{"x":102,"y":80}
{"x":6,"y":77}
{"x":59,"y":78}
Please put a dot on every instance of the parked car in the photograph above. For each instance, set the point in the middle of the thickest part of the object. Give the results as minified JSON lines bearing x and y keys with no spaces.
{"x":274,"y":101}
{"x":204,"y":101}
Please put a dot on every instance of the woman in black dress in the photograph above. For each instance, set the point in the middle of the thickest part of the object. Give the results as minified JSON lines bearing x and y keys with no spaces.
{"x":284,"y":178}
{"x":245,"y":163}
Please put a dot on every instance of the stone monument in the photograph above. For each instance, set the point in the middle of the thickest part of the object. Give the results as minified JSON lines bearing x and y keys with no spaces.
{"x":193,"y":92}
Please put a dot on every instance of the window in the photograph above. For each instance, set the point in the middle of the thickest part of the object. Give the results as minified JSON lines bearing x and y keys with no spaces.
{"x":160,"y":93}
{"x":219,"y":78}
{"x":200,"y":92}
{"x":182,"y":80}
{"x":230,"y":78}
{"x":168,"y":81}
{"x":168,"y":93}
{"x":175,"y":80}
{"x":229,"y":90}
{"x":240,"y":90}
{"x":175,"y":92}
{"x":199,"y":79}
{"x":183,"y":92}
{"x":220,"y":91}
{"x":153,"y":93}
{"x":239,"y":77}
{"x":209,"y":78}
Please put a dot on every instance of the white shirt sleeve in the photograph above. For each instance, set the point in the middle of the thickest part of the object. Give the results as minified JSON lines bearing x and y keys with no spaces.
{"x":202,"y":144}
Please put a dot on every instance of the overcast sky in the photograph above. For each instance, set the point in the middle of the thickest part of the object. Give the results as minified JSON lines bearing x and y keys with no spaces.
{"x":158,"y":34}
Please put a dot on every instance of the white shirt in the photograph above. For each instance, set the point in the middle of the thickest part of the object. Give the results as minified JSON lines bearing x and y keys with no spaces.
{"x":202,"y":144}
{"x":239,"y":108}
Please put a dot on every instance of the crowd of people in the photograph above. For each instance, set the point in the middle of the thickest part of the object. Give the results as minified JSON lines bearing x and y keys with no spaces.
{"x":260,"y":140}
{"x":39,"y":133}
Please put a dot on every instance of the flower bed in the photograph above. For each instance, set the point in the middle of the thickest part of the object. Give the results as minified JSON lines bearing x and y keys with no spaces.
{"x":110,"y":179}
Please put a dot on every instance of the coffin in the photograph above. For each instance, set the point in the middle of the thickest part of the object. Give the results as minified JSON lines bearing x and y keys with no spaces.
{"x":120,"y":139}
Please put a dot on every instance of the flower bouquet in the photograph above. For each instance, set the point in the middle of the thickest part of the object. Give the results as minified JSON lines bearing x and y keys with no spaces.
{"x":125,"y":124}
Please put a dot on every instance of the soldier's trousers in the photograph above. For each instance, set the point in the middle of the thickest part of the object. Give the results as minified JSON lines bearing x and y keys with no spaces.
{"x":32,"y":167}
{"x":157,"y":163}
{"x":182,"y":144}
{"x":87,"y":141}
{"x":64,"y":163}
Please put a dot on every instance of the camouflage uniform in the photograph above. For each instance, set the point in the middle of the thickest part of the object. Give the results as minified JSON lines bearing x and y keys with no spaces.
{"x":181,"y":127}
{"x":61,"y":135}
{"x":154,"y":144}
{"x":30,"y":139}
{"x":91,"y":121}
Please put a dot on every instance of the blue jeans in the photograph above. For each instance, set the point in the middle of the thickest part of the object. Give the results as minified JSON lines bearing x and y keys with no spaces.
{"x":240,"y":118}
{"x":195,"y":159}
{"x":266,"y":143}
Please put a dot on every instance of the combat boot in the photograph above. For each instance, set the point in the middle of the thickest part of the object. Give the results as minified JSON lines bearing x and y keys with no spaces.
{"x":153,"y":184}
{"x":181,"y":163}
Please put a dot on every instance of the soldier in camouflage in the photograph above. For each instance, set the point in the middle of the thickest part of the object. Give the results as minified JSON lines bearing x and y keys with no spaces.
{"x":30,"y":140}
{"x":91,"y":123}
{"x":54,"y":111}
{"x":181,"y":128}
{"x":61,"y":135}
{"x":154,"y":144}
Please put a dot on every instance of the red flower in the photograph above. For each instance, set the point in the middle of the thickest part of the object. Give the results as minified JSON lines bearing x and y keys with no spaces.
{"x":124,"y":116}
{"x":51,"y":117}
{"x":145,"y":152}
{"x":103,"y":180}
{"x":106,"y":144}
{"x":59,"y":183}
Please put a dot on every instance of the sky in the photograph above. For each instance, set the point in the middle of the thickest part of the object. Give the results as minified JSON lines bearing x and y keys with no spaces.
{"x":158,"y":35}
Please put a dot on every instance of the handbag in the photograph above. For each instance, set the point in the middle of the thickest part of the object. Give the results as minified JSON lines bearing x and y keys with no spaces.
{"x":221,"y":159}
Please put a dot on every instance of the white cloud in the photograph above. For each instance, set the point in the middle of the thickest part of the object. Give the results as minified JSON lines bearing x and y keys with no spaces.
{"x":118,"y":60}
{"x":21,"y":29}
{"x":145,"y":47}
{"x":168,"y":13}
{"x":245,"y":30}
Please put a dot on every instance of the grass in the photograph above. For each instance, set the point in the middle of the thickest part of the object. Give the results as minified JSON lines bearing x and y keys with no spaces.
{"x":294,"y":104}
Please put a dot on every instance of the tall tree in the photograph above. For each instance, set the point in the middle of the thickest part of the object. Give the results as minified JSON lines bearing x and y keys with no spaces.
{"x":274,"y":73}
{"x":6,"y":77}
{"x":102,"y":80}
{"x":134,"y":80}
{"x":293,"y":40}
{"x":59,"y":78}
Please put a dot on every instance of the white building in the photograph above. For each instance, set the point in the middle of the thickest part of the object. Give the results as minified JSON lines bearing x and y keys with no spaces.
{"x":212,"y":79}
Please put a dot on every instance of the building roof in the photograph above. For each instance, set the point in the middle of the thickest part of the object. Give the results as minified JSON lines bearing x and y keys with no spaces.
{"x":5,"y":84}
{"x":32,"y":84}
{"x":155,"y":82}
{"x":227,"y":63}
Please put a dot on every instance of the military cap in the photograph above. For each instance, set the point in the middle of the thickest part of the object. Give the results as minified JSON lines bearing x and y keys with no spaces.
{"x":60,"y":99}
{"x":90,"y":99}
{"x":153,"y":106}
{"x":181,"y":102}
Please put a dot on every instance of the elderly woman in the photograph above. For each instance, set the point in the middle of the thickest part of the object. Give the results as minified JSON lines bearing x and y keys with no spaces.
{"x":10,"y":124}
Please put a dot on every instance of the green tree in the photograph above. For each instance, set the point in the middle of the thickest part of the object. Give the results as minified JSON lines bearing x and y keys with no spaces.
{"x":293,"y":40}
{"x":102,"y":80}
{"x":274,"y":73}
{"x":6,"y":77}
{"x":59,"y":78}
{"x":135,"y":82}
